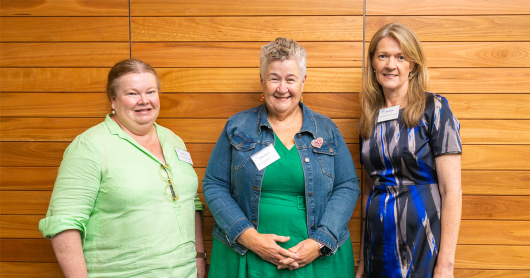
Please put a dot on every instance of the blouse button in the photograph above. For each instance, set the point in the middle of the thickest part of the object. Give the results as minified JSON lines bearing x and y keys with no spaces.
{"x":306,"y":159}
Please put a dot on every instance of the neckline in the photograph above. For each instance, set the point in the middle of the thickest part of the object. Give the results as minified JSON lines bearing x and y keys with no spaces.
{"x":281,"y":143}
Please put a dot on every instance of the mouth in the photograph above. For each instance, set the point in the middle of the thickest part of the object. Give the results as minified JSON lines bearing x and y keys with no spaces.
{"x":143,"y":111}
{"x":389,"y":75}
{"x":282,"y":98}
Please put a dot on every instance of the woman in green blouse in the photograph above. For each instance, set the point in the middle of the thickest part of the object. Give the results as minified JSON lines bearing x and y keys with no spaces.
{"x":125,"y":201}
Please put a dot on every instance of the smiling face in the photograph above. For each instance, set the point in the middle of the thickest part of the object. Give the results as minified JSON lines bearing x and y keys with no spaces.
{"x":282,"y":86}
{"x":137,"y":103}
{"x":391,"y":67}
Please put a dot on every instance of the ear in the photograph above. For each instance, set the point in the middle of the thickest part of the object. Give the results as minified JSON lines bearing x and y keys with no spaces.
{"x":303,"y":80}
{"x":113,"y":102}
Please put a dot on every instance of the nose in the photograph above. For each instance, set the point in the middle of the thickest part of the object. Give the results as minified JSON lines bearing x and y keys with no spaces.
{"x":143,"y":99}
{"x":391,"y":64}
{"x":282,"y":87}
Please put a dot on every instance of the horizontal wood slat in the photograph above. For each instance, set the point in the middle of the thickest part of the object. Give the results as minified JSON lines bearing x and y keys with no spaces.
{"x":62,"y":54}
{"x":479,"y":81}
{"x":492,"y":257}
{"x":190,"y":130}
{"x":54,"y":29}
{"x":266,"y":28}
{"x":448,"y":7}
{"x":477,"y":54}
{"x":482,"y":273}
{"x":64,"y":8}
{"x":208,"y":130}
{"x":241,"y":7}
{"x":474,"y":207}
{"x":474,"y":182}
{"x":495,"y":106}
{"x":496,"y":182}
{"x":242,"y":54}
{"x":333,"y":105}
{"x":458,"y":28}
{"x":26,"y":270}
{"x":495,"y":131}
{"x":209,"y":80}
{"x":475,"y":157}
{"x":494,"y":232}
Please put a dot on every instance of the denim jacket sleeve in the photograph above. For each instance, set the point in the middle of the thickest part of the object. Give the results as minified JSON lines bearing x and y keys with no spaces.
{"x":217,"y":191}
{"x":341,"y":204}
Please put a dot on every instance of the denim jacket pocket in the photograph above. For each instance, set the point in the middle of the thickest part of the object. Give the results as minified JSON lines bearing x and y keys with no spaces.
{"x":243,"y":149}
{"x":326,"y":157}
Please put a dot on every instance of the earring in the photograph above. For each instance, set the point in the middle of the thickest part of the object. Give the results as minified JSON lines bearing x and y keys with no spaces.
{"x":262,"y":97}
{"x":374,"y":70}
{"x":113,"y":111}
{"x":410,"y":73}
{"x":302,"y":98}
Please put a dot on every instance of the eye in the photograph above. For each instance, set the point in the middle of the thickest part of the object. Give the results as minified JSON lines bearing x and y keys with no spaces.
{"x":151,"y":92}
{"x":401,"y":58}
{"x":381,"y":56}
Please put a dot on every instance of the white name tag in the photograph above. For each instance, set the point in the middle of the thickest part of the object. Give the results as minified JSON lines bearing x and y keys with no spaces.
{"x":265,"y":157}
{"x":184,"y":156}
{"x":387,"y":114}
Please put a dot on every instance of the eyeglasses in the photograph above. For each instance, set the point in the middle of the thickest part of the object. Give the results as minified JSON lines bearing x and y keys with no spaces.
{"x":168,"y":177}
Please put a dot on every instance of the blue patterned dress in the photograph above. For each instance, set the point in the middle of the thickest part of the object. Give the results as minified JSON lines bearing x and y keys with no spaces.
{"x":402,"y":237}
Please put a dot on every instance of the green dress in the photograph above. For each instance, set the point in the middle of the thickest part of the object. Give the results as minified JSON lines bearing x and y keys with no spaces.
{"x":282,"y":212}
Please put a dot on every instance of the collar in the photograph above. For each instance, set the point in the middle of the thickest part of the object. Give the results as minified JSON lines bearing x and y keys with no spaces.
{"x":309,"y":124}
{"x":115,"y":129}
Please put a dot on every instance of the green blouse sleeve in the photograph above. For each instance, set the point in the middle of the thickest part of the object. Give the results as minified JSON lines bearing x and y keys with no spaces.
{"x":199,"y":206}
{"x":75,"y":190}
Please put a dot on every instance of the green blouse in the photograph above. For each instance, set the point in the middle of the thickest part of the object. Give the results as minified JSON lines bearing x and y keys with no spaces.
{"x":116,"y":193}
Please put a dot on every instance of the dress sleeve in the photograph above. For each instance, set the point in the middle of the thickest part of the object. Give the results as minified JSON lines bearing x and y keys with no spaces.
{"x":199,"y":205}
{"x":75,"y":190}
{"x":445,"y":130}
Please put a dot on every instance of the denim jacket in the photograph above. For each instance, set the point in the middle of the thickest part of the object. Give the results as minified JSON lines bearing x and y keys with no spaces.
{"x":232,"y":184}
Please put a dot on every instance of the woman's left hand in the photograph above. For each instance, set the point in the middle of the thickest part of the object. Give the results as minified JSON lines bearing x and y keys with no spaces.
{"x":306,"y":251}
{"x":201,"y":267}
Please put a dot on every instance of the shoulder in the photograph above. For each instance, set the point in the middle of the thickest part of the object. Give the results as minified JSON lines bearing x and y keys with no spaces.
{"x":171,"y":136}
{"x":323,"y":122}
{"x":245,"y":121}
{"x":433,"y":101}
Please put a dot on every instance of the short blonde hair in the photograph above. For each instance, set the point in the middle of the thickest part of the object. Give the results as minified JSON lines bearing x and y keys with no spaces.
{"x":282,"y":49}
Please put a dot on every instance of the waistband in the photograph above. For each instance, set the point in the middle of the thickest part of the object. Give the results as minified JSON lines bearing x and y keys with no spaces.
{"x":283,"y":200}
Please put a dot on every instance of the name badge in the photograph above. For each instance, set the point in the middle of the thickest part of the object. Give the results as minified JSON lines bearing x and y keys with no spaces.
{"x":184,"y":156}
{"x":387,"y":114}
{"x":265,"y":157}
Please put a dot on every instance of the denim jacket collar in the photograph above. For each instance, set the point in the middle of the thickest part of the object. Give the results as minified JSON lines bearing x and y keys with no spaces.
{"x":309,"y":124}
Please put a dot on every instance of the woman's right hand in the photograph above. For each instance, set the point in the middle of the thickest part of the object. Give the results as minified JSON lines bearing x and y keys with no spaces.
{"x":265,"y":246}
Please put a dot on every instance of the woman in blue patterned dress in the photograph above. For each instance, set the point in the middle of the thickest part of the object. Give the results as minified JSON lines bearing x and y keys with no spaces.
{"x":411,"y":151}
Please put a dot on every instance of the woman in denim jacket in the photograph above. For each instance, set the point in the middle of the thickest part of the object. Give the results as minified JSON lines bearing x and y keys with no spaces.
{"x":281,"y":182}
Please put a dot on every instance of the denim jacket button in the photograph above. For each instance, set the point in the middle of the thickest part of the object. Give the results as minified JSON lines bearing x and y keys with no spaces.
{"x":330,"y":150}
{"x":312,"y":227}
{"x":299,"y":135}
{"x":306,"y":159}
{"x":310,"y":194}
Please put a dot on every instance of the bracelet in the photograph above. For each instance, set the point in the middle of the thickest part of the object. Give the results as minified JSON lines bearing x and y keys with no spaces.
{"x":359,"y":260}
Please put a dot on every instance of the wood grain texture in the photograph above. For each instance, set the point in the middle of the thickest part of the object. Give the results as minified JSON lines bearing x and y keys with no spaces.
{"x":494,"y":232}
{"x":495,"y":131}
{"x":64,"y":8}
{"x":242,"y":54}
{"x":20,"y":226}
{"x":245,"y":8}
{"x":62,"y":54}
{"x":26,"y":270}
{"x":263,"y":28}
{"x":479,"y":81}
{"x":492,"y":257}
{"x":512,"y":183}
{"x":458,"y":28}
{"x":190,"y":130}
{"x":477,"y":54}
{"x":333,"y":105}
{"x":496,"y":157}
{"x":190,"y":80}
{"x":243,"y":80}
{"x":27,"y":178}
{"x":482,"y":273}
{"x":448,"y":7}
{"x":495,"y":106}
{"x":71,"y":29}
{"x":496,"y":208}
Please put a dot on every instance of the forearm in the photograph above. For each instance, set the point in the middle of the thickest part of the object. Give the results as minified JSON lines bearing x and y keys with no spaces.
{"x":199,"y":241}
{"x":69,"y":252}
{"x":450,"y":218}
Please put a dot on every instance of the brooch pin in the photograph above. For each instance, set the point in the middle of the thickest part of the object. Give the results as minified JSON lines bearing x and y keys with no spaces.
{"x":317,"y":143}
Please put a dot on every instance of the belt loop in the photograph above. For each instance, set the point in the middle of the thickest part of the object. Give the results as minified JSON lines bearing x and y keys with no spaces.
{"x":301,"y":202}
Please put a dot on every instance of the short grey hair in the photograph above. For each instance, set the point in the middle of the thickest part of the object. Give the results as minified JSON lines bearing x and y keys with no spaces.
{"x":282,"y":49}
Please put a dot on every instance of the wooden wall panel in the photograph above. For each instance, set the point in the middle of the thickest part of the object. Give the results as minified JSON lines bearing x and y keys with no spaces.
{"x":245,"y":8}
{"x":42,"y":270}
{"x":241,"y":54}
{"x":61,"y":29}
{"x":492,"y":257}
{"x":64,"y":8}
{"x":448,"y":7}
{"x":264,"y":29}
{"x":35,"y":178}
{"x":62,"y":54}
{"x":458,"y":28}
{"x":482,"y":273}
{"x":494,"y":106}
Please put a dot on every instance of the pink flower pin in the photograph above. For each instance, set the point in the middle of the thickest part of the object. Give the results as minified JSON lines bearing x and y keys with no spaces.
{"x":317,"y":143}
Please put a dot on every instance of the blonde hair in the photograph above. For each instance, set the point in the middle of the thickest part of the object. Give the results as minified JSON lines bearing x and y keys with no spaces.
{"x":372,"y":96}
{"x":282,"y":49}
